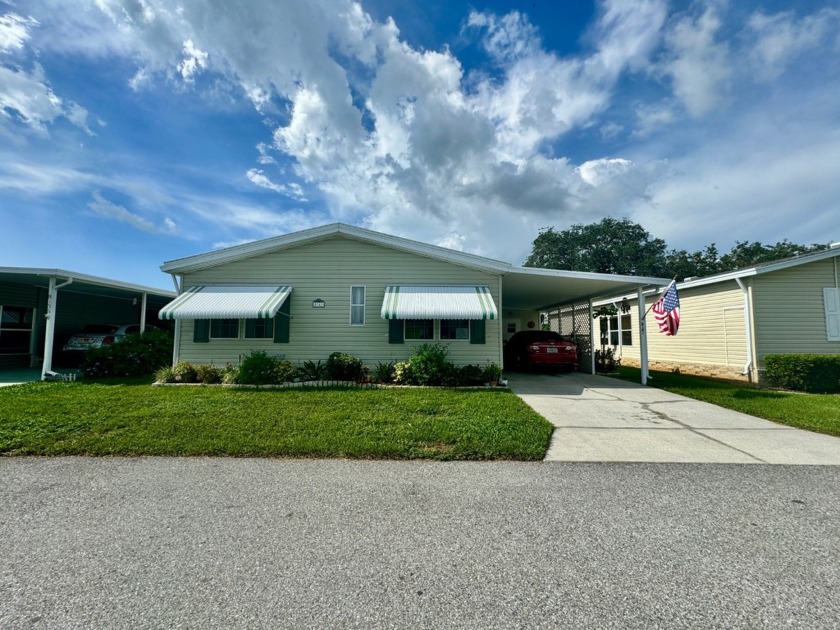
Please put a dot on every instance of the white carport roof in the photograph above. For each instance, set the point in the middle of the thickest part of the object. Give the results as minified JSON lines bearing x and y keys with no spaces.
{"x":540,"y":289}
{"x":95,"y":285}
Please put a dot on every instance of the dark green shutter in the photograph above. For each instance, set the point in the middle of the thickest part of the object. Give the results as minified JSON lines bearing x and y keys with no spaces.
{"x":395,"y":331}
{"x":201,"y":331}
{"x":282,"y":323}
{"x":477,"y":331}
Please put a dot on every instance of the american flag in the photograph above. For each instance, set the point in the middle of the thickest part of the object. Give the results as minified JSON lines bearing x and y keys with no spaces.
{"x":667,"y":311}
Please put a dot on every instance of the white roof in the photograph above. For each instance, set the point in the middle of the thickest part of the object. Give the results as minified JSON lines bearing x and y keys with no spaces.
{"x":438,"y":302}
{"x":40,"y":276}
{"x":524,"y":287}
{"x":227,"y":302}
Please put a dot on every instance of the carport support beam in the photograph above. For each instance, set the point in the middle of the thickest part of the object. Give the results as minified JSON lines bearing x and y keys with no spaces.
{"x":143,"y":312}
{"x":49,"y":338}
{"x":643,"y":352}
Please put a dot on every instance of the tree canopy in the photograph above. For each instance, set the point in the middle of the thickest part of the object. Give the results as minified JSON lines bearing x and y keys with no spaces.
{"x":626,"y":248}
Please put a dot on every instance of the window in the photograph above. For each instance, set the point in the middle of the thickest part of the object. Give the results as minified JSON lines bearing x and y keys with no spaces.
{"x":224,"y":329}
{"x":357,"y":306}
{"x":615,"y":327}
{"x":455,"y":329}
{"x":259,"y":328}
{"x":15,"y":329}
{"x":419,"y":329}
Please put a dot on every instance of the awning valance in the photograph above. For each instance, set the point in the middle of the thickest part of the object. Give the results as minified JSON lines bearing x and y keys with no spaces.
{"x":227,"y":302}
{"x":438,"y":302}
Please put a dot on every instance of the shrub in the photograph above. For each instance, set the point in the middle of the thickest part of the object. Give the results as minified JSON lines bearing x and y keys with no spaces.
{"x":344,"y":367}
{"x":165,"y":375}
{"x":136,"y":355}
{"x":816,"y":373}
{"x":492,"y":372}
{"x":402,"y":373}
{"x":230,"y":374}
{"x":471,"y":375}
{"x":184,"y":372}
{"x":605,"y":361}
{"x":312,"y":371}
{"x":429,"y":364}
{"x":384,"y":372}
{"x":257,"y":368}
{"x":208,"y":374}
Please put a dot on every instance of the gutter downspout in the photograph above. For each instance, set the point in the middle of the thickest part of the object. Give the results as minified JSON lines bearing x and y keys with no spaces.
{"x":143,"y":313}
{"x":747,"y":328}
{"x":499,"y":322}
{"x":177,"y":344}
{"x":50,"y":315}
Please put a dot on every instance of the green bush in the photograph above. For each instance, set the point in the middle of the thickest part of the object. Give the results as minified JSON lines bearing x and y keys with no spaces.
{"x":230,"y":374}
{"x":492,"y":372}
{"x":136,"y":355}
{"x":311,"y":371}
{"x":257,"y":368}
{"x":384,"y":372}
{"x":208,"y":374}
{"x":165,"y":375}
{"x":471,"y":375}
{"x":429,"y":365}
{"x":184,"y":372}
{"x":344,"y":367}
{"x":815,"y":373}
{"x":605,"y":361}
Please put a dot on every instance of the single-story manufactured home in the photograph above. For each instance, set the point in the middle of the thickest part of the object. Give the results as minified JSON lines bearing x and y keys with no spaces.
{"x":731,"y":321}
{"x":41,"y":308}
{"x":340,"y":288}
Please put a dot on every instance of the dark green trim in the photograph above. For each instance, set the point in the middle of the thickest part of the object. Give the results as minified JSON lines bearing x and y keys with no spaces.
{"x":395,"y":331}
{"x":477,"y":331}
{"x":282,"y":322}
{"x":201,"y":331}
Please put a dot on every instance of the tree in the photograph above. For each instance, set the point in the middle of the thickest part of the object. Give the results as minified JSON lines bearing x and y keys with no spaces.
{"x":746,"y":254}
{"x":681,"y":264}
{"x":610,"y":246}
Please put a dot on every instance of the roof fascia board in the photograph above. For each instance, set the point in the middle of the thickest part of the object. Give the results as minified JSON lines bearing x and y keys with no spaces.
{"x":81,"y":277}
{"x":247,"y":250}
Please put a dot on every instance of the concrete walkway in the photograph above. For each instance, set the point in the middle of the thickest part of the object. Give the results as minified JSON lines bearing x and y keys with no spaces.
{"x":601,"y":419}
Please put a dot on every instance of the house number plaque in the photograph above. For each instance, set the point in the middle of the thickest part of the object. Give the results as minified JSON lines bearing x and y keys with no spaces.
{"x":319,"y":303}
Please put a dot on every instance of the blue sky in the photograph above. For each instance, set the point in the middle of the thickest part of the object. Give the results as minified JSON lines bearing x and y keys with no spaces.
{"x":138,"y":131}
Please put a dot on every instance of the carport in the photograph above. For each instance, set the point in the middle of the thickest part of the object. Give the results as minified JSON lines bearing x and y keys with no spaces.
{"x":40,"y":308}
{"x":527,"y":290}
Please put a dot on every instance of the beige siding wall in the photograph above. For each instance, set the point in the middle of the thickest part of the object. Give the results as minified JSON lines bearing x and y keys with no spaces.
{"x":711,"y":339}
{"x":789,"y":310}
{"x":326,"y":270}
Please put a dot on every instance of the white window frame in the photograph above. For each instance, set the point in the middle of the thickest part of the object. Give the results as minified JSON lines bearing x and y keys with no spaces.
{"x":357,"y":305}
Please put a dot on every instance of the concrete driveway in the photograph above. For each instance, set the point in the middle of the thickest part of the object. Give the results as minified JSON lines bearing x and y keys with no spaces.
{"x":601,"y":419}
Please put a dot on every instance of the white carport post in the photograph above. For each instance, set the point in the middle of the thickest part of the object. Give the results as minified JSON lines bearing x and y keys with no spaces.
{"x":591,"y":338}
{"x":643,"y":353}
{"x":176,"y":344}
{"x":52,"y":298}
{"x":143,"y":312}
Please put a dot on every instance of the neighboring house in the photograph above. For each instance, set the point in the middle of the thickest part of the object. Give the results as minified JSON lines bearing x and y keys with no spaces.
{"x":731,"y":321}
{"x":41,"y":308}
{"x":339,"y":288}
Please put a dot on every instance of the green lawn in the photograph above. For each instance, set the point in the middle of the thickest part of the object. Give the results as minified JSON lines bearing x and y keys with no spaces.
{"x":815,"y":412}
{"x":137,"y":419}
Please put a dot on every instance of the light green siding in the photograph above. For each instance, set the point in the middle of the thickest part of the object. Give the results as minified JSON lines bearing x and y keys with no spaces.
{"x":712,"y":329}
{"x":327,"y":270}
{"x":789,"y":310}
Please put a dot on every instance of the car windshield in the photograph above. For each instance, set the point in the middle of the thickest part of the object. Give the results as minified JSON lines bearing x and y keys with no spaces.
{"x":100,"y":329}
{"x":541,"y":335}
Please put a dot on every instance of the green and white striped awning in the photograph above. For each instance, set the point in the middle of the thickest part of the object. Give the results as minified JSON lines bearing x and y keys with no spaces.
{"x":227,"y":302}
{"x":438,"y":302}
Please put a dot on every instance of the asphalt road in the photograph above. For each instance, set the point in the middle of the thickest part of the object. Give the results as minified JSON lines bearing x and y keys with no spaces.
{"x":246,"y":543}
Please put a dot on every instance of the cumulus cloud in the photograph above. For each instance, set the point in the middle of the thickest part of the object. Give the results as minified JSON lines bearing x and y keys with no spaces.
{"x":14,"y":31}
{"x":408,"y":140}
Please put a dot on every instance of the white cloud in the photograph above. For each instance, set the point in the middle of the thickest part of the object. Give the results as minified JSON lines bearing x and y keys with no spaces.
{"x":14,"y":31}
{"x":109,"y":210}
{"x":599,"y":172}
{"x":698,"y":64}
{"x":259,"y":178}
{"x":193,"y":61}
{"x":775,"y":40}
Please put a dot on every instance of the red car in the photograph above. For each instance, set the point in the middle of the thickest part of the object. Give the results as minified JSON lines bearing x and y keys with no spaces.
{"x":544,"y":349}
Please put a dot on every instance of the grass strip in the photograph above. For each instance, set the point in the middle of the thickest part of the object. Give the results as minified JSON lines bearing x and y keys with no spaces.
{"x":392,"y":423}
{"x":815,"y":412}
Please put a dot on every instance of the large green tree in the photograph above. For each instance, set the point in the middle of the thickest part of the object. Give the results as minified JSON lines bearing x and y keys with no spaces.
{"x":624,"y":247}
{"x":609,"y":246}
